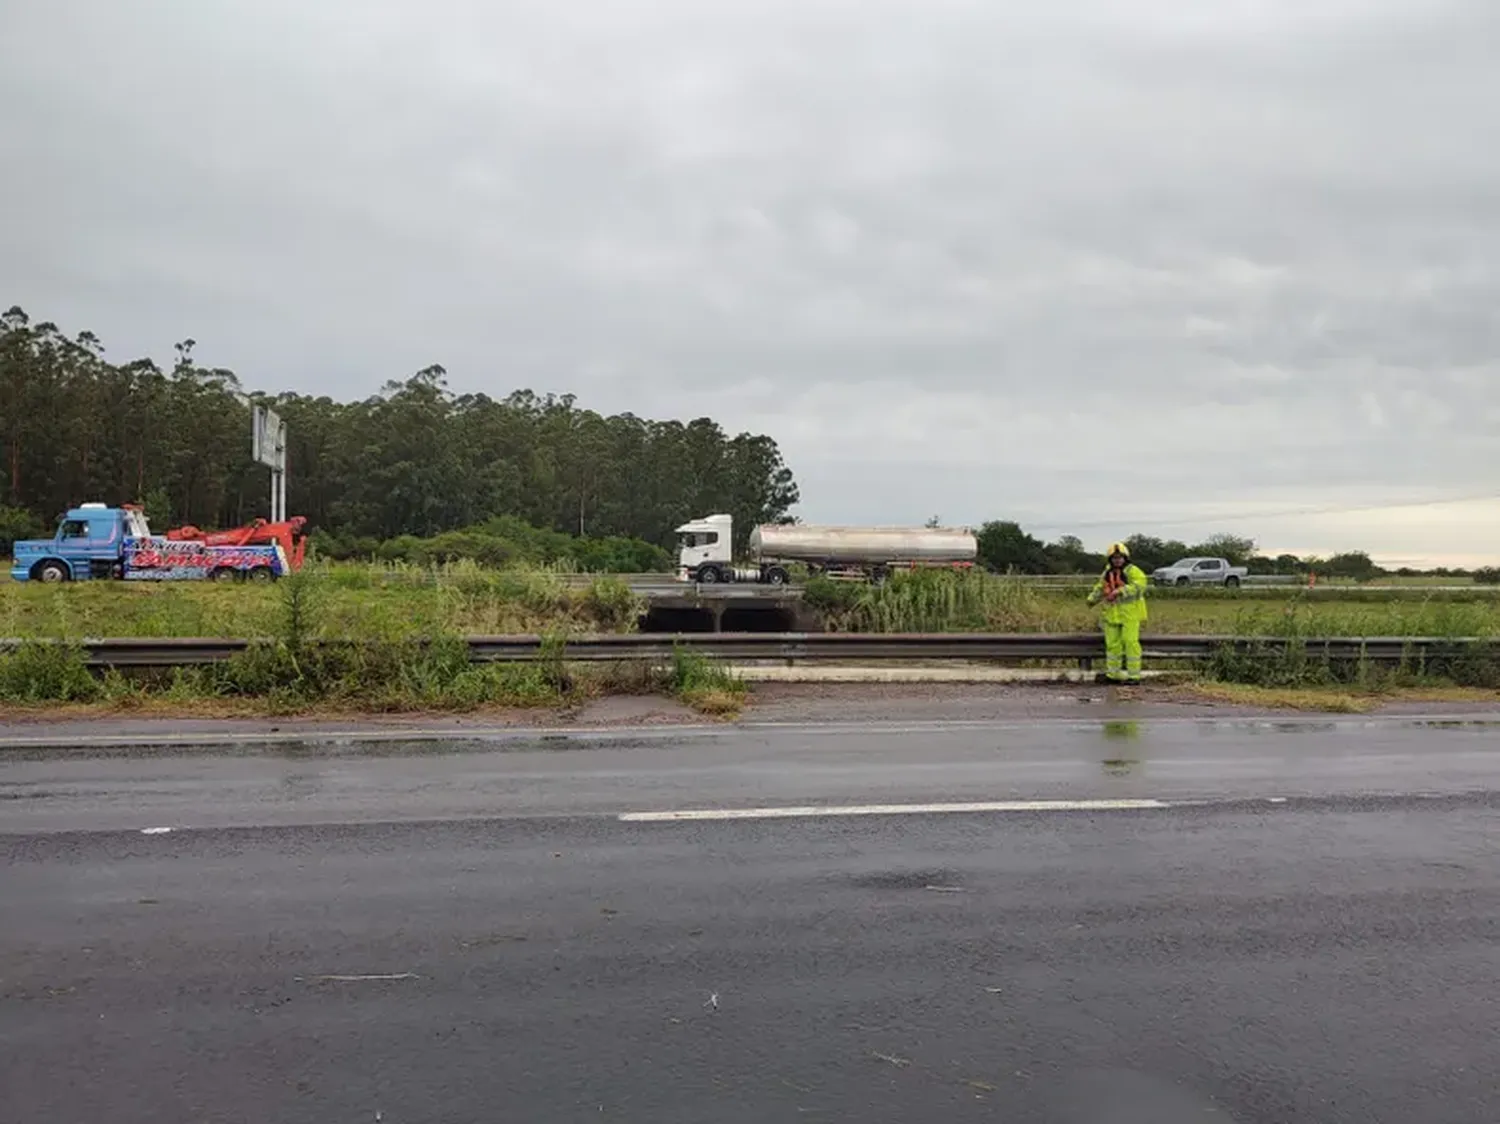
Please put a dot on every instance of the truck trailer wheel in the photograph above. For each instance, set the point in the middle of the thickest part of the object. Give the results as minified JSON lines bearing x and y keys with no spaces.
{"x":52,"y":572}
{"x":775,"y":575}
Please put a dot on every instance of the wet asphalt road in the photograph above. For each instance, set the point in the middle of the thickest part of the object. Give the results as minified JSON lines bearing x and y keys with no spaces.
{"x":1308,"y":930}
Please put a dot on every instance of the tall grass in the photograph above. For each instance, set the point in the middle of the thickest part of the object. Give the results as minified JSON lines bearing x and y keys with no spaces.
{"x":939,"y":601}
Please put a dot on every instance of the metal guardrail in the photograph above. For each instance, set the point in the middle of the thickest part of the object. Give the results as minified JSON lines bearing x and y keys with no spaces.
{"x":831,"y":648}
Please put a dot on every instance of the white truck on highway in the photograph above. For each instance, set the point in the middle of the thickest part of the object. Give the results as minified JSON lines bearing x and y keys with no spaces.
{"x":1200,"y":571}
{"x":705,"y":551}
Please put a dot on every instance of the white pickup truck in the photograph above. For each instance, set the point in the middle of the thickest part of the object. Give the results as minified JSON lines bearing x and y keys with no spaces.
{"x":1200,"y":571}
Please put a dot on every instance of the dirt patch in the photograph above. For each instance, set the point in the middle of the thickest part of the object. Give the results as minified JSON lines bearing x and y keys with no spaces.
{"x":633,"y":710}
{"x":1342,"y":700}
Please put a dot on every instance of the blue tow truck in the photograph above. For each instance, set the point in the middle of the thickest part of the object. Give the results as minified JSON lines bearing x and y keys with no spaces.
{"x":94,"y":540}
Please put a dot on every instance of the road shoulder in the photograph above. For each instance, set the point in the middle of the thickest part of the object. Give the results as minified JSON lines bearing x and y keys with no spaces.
{"x":780,"y":703}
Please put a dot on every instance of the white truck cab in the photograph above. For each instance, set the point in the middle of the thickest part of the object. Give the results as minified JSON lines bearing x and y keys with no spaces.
{"x":708,"y":541}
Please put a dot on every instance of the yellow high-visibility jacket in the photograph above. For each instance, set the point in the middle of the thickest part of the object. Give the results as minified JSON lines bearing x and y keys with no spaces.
{"x":1131,"y":604}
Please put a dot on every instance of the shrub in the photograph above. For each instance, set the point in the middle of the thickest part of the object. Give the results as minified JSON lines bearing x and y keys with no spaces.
{"x":16,"y":525}
{"x":612,"y":605}
{"x":41,"y":671}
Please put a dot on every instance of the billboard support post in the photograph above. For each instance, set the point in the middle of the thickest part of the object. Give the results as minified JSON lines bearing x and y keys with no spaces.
{"x":268,"y":447}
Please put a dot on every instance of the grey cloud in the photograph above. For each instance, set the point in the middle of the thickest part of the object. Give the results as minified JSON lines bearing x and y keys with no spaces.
{"x":971,"y":257}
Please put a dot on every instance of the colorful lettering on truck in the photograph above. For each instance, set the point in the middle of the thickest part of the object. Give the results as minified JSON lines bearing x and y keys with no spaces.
{"x":158,"y":559}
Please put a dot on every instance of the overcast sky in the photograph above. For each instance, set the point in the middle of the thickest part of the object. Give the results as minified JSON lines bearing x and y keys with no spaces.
{"x":1096,"y":265}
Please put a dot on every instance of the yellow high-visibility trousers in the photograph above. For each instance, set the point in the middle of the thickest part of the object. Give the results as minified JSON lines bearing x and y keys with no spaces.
{"x":1122,"y":651}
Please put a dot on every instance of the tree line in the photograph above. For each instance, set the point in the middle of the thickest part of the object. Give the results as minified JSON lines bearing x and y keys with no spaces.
{"x":418,"y":473}
{"x":1005,"y":547}
{"x":414,"y":460}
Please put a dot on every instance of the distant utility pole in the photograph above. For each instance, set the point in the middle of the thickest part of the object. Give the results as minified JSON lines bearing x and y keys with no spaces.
{"x":268,"y":447}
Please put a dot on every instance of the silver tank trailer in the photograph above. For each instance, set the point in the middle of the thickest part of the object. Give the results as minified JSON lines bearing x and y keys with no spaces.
{"x":863,"y":546}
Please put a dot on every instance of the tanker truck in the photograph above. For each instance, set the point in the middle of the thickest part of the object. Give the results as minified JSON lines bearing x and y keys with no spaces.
{"x":705,"y":551}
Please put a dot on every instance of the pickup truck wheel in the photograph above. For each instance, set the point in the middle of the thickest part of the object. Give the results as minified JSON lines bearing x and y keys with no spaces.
{"x":52,"y":572}
{"x":1231,"y":582}
{"x":1184,"y":581}
{"x":709,"y":575}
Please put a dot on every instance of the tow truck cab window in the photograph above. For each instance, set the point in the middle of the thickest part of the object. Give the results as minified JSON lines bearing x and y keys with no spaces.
{"x":75,"y":529}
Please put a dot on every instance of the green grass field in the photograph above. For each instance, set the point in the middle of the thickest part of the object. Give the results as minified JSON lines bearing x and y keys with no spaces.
{"x":342,"y":600}
{"x":364,"y":602}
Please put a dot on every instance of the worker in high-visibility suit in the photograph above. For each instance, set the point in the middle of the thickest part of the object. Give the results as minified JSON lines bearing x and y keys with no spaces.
{"x":1122,"y":590}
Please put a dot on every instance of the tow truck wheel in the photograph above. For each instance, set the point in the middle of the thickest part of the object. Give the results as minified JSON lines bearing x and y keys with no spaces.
{"x":224,"y":574}
{"x":261,"y":574}
{"x":52,"y":572}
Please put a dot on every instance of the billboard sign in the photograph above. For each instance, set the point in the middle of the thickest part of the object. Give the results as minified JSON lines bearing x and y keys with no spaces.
{"x":268,"y":439}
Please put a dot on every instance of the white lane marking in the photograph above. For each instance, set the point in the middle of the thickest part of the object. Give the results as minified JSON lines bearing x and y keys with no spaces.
{"x":155,"y":830}
{"x":364,"y":979}
{"x":814,"y":810}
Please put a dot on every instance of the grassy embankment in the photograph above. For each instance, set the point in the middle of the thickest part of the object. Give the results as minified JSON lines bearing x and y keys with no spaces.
{"x":400,"y":643}
{"x":384,"y":612}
